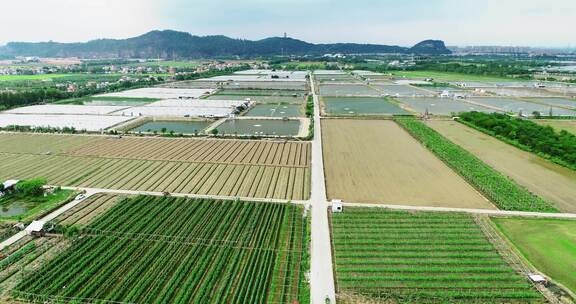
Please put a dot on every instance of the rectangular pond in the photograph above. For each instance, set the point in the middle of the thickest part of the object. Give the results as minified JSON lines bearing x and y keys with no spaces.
{"x":275,"y":110}
{"x":517,"y":105}
{"x":260,"y":127}
{"x":563,"y":102}
{"x":441,"y":106}
{"x":347,"y":90}
{"x":361,"y":106}
{"x":184,"y":127}
{"x":260,"y":98}
{"x":402,"y":90}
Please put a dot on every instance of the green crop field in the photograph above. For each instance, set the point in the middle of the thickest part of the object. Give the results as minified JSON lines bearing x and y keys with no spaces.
{"x":501,"y":190}
{"x":404,"y":257}
{"x":32,"y":77}
{"x":549,"y":244}
{"x":177,"y":250}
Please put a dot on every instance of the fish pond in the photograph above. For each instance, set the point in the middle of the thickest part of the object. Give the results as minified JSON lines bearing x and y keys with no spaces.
{"x":260,"y":127}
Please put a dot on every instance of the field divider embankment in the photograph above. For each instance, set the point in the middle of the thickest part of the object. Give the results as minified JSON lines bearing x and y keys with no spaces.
{"x":188,"y":195}
{"x":490,"y":212}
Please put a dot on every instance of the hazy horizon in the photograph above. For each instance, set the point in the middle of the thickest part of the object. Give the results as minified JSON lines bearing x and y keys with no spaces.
{"x":530,"y":23}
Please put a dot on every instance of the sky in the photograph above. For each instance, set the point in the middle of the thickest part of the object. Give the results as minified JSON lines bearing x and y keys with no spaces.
{"x":541,"y":23}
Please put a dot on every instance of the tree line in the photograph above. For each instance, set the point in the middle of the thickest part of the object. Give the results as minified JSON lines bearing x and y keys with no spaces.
{"x":543,"y":140}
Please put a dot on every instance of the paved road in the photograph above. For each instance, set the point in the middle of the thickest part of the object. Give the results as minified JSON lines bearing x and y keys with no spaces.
{"x":321,"y":273}
{"x":15,"y":238}
{"x":467,"y":210}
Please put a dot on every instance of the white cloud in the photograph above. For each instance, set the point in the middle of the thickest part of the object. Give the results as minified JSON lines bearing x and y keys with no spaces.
{"x":75,"y":20}
{"x":504,"y":22}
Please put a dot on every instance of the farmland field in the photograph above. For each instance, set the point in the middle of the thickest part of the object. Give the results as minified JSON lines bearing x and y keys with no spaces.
{"x":33,"y":77}
{"x":375,"y":161}
{"x":568,"y":125}
{"x":176,"y":250}
{"x":216,"y":167}
{"x":550,"y":181}
{"x":41,"y":143}
{"x":502,"y":191}
{"x":549,"y":245}
{"x":89,"y":209}
{"x":360,"y":106}
{"x":417,"y":257}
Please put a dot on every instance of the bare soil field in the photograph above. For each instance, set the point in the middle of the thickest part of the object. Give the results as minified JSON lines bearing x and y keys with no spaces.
{"x":199,"y":150}
{"x":261,"y":169}
{"x":544,"y":178}
{"x":375,"y":161}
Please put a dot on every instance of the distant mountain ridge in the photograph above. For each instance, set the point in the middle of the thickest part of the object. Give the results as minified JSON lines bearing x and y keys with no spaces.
{"x":170,"y":44}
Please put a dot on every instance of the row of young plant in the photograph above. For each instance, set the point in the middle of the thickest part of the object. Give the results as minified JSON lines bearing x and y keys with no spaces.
{"x":501,"y":190}
{"x":176,"y":250}
{"x":433,"y":267}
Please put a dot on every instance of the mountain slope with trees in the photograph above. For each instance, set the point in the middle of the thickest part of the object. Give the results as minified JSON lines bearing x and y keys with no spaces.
{"x":170,"y":44}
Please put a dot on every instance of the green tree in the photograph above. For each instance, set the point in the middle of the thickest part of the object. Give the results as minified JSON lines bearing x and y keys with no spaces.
{"x":33,"y":187}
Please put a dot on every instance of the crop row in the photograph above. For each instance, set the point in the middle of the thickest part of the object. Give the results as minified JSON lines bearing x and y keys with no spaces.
{"x":89,"y":208}
{"x":200,"y":150}
{"x":200,"y":178}
{"x":41,"y":143}
{"x":440,"y":266}
{"x":176,"y":250}
{"x":501,"y":190}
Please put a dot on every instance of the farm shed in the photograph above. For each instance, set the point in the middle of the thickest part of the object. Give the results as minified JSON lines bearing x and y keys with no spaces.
{"x":337,"y":206}
{"x":9,"y":184}
{"x":35,"y":227}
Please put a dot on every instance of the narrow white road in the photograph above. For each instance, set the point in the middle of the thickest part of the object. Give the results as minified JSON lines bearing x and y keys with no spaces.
{"x":216,"y":197}
{"x":467,"y":210}
{"x":321,"y":272}
{"x":15,"y":238}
